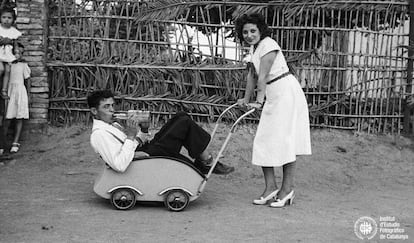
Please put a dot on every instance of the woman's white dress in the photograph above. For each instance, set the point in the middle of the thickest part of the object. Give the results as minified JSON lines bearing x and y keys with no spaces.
{"x":283,"y":131}
{"x":18,"y":106}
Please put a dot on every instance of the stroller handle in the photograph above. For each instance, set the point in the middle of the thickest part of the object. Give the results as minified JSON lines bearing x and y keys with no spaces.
{"x":202,"y":185}
{"x":241,"y":118}
{"x":235,"y":123}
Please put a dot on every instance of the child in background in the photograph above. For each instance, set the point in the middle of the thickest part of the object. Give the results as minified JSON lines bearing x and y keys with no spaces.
{"x":8,"y":36}
{"x":2,"y":114}
{"x":18,"y":105}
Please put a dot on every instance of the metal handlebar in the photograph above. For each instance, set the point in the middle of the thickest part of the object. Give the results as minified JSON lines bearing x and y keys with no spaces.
{"x":241,"y":118}
{"x":219,"y":119}
{"x":201,"y":187}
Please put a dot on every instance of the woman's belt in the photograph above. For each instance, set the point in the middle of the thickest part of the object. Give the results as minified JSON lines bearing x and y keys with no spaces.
{"x":279,"y":77}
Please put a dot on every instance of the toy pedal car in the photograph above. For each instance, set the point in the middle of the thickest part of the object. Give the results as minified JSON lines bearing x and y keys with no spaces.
{"x":176,"y":182}
{"x":173,"y":181}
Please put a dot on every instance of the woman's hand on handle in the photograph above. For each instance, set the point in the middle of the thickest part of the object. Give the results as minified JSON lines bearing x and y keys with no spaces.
{"x":255,"y":105}
{"x":242,"y":102}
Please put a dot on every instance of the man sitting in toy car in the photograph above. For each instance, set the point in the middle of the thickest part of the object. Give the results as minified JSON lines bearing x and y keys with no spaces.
{"x":118,"y":145}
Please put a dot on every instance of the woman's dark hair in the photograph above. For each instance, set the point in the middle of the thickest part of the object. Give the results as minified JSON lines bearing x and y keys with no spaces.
{"x":256,"y":19}
{"x":8,"y":10}
{"x":95,"y":98}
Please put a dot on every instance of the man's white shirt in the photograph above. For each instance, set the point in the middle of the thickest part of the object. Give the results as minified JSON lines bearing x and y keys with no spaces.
{"x":112,"y":145}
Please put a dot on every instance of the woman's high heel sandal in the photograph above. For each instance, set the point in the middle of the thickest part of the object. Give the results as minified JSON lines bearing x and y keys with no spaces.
{"x":264,"y":200}
{"x":288,"y":199}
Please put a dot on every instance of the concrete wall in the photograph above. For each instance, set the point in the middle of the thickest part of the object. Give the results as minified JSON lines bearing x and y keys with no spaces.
{"x":32,"y":22}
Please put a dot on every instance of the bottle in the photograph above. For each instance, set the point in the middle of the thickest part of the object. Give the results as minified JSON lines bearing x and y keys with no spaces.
{"x":142,"y":117}
{"x":120,"y":116}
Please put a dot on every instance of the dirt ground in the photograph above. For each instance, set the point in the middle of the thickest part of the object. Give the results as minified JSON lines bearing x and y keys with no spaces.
{"x":46,"y":193}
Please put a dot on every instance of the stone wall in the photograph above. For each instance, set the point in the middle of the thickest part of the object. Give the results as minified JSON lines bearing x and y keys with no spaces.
{"x":32,"y":22}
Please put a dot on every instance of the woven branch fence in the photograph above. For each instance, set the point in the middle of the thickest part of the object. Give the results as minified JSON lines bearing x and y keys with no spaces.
{"x":166,"y":56}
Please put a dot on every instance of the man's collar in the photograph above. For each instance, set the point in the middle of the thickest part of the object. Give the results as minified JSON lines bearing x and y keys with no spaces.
{"x":100,"y":124}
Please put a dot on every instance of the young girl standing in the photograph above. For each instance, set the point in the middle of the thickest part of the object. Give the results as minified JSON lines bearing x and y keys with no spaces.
{"x":18,"y":106}
{"x":8,"y":36}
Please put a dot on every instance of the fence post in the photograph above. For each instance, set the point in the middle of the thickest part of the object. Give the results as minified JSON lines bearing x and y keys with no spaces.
{"x":32,"y":22}
{"x":407,"y":109}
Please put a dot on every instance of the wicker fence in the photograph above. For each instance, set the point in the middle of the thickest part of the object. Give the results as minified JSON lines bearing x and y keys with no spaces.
{"x":165,"y":56}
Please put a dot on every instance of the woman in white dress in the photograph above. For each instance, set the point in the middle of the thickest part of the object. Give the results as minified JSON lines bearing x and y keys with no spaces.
{"x":283,"y":131}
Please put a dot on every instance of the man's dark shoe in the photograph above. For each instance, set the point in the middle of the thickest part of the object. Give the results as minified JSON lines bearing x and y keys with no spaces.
{"x":222,"y":169}
{"x":201,"y":166}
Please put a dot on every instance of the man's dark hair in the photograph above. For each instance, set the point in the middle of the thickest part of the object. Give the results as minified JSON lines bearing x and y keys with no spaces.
{"x":256,"y":19}
{"x":95,"y":98}
{"x":8,"y":10}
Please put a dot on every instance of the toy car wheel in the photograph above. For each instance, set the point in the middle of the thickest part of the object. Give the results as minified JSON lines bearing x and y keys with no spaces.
{"x":123,"y":199}
{"x":176,"y":200}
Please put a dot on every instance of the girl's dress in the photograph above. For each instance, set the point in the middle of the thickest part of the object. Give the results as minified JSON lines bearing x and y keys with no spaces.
{"x":18,"y":106}
{"x":6,"y":51}
{"x":283,"y":131}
